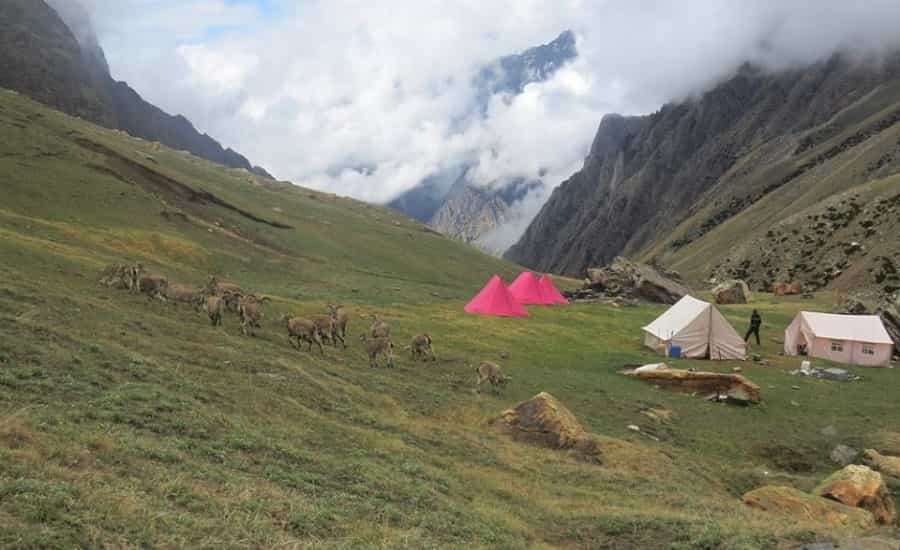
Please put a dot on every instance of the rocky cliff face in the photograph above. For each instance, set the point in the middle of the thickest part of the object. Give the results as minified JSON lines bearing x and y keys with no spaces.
{"x":470,"y":212}
{"x":40,"y":57}
{"x":692,"y":182}
{"x":48,"y":51}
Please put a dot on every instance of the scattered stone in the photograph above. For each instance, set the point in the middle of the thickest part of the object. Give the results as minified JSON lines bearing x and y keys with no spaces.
{"x":860,"y":487}
{"x":795,"y":404}
{"x":737,"y":369}
{"x":804,"y":507}
{"x":662,"y":416}
{"x":795,"y":387}
{"x":634,"y":428}
{"x":543,"y":420}
{"x":734,"y":291}
{"x":756,"y":357}
{"x":887,"y":465}
{"x":844,"y":455}
{"x":734,"y":386}
{"x":829,"y":431}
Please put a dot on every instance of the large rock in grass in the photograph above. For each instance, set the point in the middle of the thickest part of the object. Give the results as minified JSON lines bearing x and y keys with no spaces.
{"x":889,"y":311}
{"x":626,"y":278}
{"x":543,"y":420}
{"x":734,"y":291}
{"x":860,"y":487}
{"x":805,"y":507}
{"x":734,"y":386}
{"x":787,"y":289}
{"x":887,"y":465}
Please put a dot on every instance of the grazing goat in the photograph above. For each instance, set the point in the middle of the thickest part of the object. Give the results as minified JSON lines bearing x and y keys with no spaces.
{"x":134,"y":274}
{"x":232,"y":301}
{"x":153,"y":286}
{"x":214,"y":308}
{"x":491,"y":372}
{"x":341,"y":318}
{"x":303,"y":330}
{"x":379,"y":329}
{"x":219,"y":288}
{"x":375,"y":346}
{"x":185,"y":294}
{"x":421,"y":347}
{"x":325,"y":325}
{"x":251,"y":315}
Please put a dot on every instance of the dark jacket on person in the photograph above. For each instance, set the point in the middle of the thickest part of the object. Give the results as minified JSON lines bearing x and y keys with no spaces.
{"x":755,"y":319}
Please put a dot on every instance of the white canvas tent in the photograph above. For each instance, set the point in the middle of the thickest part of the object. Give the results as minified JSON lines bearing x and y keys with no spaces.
{"x":699,"y":328}
{"x":852,"y":339}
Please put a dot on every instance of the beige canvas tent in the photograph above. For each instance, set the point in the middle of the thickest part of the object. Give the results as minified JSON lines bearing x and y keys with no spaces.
{"x":699,"y":328}
{"x":853,"y":339}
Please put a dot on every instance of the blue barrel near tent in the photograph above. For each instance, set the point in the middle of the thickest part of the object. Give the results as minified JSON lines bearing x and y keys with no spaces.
{"x":675,"y":352}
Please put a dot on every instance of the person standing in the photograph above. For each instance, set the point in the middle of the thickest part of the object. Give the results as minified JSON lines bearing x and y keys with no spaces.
{"x":755,"y":323}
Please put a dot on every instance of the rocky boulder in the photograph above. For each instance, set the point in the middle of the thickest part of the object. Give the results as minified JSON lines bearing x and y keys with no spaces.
{"x":887,"y":465}
{"x":543,"y":420}
{"x":787,"y":289}
{"x":804,"y":507}
{"x":844,"y":455}
{"x":733,"y":386}
{"x":850,"y":305}
{"x":636,"y":280}
{"x":889,"y":311}
{"x":860,"y":487}
{"x":734,"y":291}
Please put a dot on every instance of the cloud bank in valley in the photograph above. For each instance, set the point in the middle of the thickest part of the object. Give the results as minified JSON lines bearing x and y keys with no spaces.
{"x":369,"y":98}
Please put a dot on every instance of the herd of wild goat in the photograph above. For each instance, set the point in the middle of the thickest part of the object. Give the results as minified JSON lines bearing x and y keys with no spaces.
{"x":220,"y":297}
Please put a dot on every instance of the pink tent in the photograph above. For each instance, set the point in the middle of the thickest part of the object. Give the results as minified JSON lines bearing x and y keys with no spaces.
{"x":549,"y":292}
{"x":526,"y":290}
{"x":495,"y":299}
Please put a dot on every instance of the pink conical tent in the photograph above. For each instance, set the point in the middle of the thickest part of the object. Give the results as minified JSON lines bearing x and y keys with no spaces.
{"x":526,"y":290}
{"x":549,"y":291}
{"x":495,"y":299}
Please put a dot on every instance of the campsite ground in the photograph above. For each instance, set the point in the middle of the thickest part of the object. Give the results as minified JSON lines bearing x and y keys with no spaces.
{"x":128,"y":423}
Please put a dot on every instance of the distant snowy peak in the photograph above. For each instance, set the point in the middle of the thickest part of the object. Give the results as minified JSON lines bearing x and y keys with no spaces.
{"x":510,"y":74}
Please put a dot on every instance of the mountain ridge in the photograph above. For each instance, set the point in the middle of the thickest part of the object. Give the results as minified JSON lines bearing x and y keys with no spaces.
{"x":654,"y":184}
{"x":51,"y":53}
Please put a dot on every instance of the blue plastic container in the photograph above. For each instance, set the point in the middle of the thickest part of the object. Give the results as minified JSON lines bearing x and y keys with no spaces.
{"x":675,"y":352}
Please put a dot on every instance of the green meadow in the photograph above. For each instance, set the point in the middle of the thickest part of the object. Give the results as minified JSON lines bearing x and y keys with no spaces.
{"x":128,"y":423}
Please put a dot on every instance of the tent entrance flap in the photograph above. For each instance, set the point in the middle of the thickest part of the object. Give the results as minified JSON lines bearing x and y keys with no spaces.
{"x":699,"y":329}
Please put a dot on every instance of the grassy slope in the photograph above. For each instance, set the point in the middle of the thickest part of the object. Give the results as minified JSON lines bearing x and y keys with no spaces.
{"x":809,"y":193}
{"x":124,"y":423}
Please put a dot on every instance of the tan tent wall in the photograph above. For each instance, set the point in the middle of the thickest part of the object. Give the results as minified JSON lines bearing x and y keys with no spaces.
{"x":726,"y":342}
{"x":698,"y":327}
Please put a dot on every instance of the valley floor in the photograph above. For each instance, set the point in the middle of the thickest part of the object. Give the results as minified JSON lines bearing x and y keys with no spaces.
{"x":128,"y":423}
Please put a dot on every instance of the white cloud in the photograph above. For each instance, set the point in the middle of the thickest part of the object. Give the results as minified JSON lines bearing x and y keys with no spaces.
{"x":368,"y":98}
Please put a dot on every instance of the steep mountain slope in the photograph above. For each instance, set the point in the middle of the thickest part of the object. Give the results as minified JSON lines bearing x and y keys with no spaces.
{"x":126,"y":422}
{"x":52,"y":54}
{"x":39,"y":56}
{"x":509,"y":75}
{"x":674,"y":185}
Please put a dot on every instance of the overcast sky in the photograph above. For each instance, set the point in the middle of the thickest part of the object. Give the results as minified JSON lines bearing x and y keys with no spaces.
{"x":366,"y":98}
